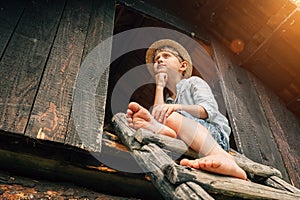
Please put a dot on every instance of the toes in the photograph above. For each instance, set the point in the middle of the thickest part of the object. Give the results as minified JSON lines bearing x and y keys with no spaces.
{"x":196,"y":164}
{"x":186,"y":162}
{"x":135,"y":107}
{"x":216,"y":164}
{"x":206,"y":163}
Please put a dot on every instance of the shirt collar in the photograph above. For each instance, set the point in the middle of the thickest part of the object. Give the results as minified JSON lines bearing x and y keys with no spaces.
{"x":180,"y":84}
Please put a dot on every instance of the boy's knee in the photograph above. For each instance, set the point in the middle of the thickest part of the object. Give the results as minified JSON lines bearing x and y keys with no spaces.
{"x":173,"y":119}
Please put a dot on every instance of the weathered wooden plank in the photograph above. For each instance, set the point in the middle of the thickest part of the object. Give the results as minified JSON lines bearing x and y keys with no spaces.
{"x":254,"y":168}
{"x":226,"y":186}
{"x":125,"y":133}
{"x":58,"y":162}
{"x":100,"y":28}
{"x":11,"y":12}
{"x":278,"y":183}
{"x":52,"y":106}
{"x":22,"y":64}
{"x":249,"y":125}
{"x":178,"y":148}
{"x":169,"y":18}
{"x":152,"y":159}
{"x":191,"y":190}
{"x":265,"y":34}
{"x":285,"y":127}
{"x":14,"y":186}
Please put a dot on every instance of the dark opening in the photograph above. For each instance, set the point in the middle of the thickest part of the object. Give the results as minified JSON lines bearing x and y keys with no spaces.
{"x":127,"y":19}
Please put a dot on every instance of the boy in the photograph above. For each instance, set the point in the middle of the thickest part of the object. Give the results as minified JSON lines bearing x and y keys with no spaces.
{"x":192,"y":115}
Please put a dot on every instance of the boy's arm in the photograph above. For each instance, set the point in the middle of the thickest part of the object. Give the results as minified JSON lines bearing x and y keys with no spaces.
{"x":195,"y":110}
{"x":161,"y":81}
{"x":159,"y":95}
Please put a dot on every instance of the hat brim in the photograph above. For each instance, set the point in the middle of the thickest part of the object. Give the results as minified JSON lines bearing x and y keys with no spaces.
{"x":167,"y":42}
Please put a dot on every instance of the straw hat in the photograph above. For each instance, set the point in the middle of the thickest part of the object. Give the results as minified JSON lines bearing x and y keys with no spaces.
{"x":167,"y":42}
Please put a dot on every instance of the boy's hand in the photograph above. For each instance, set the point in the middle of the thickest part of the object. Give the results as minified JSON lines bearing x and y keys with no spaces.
{"x":162,"y":111}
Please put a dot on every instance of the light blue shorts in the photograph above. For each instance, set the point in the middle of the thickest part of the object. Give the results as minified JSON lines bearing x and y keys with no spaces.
{"x":214,"y":129}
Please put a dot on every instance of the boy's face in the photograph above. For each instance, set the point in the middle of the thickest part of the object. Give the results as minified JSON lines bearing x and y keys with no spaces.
{"x":166,"y":62}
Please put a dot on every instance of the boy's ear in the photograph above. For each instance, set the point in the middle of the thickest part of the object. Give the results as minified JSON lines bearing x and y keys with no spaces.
{"x":184,"y":65}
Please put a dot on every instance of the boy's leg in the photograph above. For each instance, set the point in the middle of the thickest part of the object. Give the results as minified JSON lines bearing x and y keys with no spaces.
{"x":195,"y":135}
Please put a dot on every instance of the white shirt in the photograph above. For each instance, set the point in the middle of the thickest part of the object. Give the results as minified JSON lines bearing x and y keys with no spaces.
{"x":195,"y":91}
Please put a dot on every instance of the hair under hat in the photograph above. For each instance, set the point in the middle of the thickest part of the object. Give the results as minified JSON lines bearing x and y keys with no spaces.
{"x":176,"y":46}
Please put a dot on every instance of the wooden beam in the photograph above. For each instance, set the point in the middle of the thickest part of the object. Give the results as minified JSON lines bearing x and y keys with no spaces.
{"x":58,"y":162}
{"x":160,"y":166}
{"x":163,"y":15}
{"x":178,"y":148}
{"x":226,"y":186}
{"x":151,"y":159}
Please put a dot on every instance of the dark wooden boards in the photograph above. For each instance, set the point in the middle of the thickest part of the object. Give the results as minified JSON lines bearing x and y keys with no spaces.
{"x":285,"y":127}
{"x":52,"y":106}
{"x":62,"y":163}
{"x":248,"y":121}
{"x":23,"y":62}
{"x":43,"y":47}
{"x":161,"y":14}
{"x":11,"y":12}
{"x":90,"y":92}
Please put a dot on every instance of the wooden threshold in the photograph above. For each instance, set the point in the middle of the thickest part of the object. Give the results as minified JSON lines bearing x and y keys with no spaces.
{"x":57,"y":162}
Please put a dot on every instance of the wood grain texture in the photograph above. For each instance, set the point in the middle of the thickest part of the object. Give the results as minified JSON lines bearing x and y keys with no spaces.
{"x":177,"y":148}
{"x":11,"y":12}
{"x":226,"y":186}
{"x":152,"y":159}
{"x":86,"y":131}
{"x":175,"y":181}
{"x":285,"y":127}
{"x":52,"y":106}
{"x":23,"y":62}
{"x":247,"y":117}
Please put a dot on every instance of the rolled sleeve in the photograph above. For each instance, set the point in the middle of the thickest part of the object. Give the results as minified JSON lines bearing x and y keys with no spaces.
{"x":203,"y":96}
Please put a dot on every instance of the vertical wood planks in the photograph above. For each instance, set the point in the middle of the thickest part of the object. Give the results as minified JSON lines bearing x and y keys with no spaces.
{"x":248,"y":121}
{"x":86,"y":132}
{"x":10,"y":13}
{"x":52,"y":107}
{"x":286,"y":128}
{"x":23,"y":62}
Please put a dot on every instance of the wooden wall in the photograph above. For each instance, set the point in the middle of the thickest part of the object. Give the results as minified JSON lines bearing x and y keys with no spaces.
{"x":267,"y":34}
{"x":42,"y":46}
{"x":264,"y":130}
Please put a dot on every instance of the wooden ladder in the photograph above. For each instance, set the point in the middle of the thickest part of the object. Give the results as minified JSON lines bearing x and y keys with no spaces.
{"x":156,"y":154}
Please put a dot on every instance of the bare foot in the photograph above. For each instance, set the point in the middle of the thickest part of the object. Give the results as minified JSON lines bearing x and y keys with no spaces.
{"x":219,"y":164}
{"x":139,"y":117}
